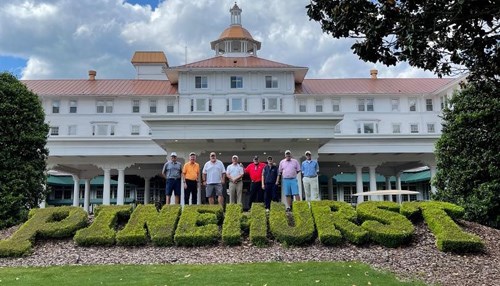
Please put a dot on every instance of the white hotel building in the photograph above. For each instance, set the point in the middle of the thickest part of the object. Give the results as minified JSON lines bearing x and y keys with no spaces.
{"x":238,"y":103}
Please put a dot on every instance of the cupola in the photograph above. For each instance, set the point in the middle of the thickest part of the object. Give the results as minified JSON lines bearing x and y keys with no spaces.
{"x":235,"y":40}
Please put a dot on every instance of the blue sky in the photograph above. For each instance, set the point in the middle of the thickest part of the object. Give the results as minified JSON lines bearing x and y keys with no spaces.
{"x":46,"y":39}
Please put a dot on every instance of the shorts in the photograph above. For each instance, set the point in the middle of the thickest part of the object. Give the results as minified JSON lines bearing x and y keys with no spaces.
{"x":213,"y":188}
{"x":290,"y":187}
{"x":173,"y":185}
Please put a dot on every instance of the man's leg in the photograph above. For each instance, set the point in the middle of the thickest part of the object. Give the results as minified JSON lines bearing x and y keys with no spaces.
{"x":239,"y":192}
{"x":307,"y":187}
{"x":315,"y":190}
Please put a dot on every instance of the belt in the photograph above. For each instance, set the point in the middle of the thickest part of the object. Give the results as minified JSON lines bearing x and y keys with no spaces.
{"x":311,"y":176}
{"x":290,"y":178}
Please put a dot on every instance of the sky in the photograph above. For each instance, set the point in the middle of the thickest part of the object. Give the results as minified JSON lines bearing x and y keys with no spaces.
{"x":63,"y":39}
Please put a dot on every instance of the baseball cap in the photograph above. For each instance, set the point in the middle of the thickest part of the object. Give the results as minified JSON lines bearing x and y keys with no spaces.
{"x":288,"y":152}
{"x":192,"y":153}
{"x":235,"y":156}
{"x":308,"y":152}
{"x":173,"y":154}
{"x":256,"y":157}
{"x":269,"y":158}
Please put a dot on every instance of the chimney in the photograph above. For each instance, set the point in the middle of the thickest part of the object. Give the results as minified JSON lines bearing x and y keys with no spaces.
{"x":92,"y":74}
{"x":373,"y":73}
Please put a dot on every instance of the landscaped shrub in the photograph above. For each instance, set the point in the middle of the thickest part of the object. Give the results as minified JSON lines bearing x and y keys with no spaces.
{"x":231,"y":228}
{"x":384,"y":223}
{"x":193,"y":228}
{"x":44,"y":223}
{"x":303,"y":230}
{"x":438,"y":216}
{"x":147,"y":220}
{"x":102,"y":230}
{"x":335,"y":219}
{"x":258,"y":225}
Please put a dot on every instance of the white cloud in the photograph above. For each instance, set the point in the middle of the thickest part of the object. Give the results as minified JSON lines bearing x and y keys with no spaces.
{"x":64,"y":39}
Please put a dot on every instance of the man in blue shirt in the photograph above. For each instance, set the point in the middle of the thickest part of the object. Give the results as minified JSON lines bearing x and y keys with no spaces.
{"x":172,"y":172}
{"x":310,"y":170}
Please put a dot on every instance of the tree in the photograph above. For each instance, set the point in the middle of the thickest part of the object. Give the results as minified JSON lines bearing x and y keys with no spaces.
{"x":436,"y":35}
{"x":468,"y":153}
{"x":23,"y":135}
{"x":446,"y":37}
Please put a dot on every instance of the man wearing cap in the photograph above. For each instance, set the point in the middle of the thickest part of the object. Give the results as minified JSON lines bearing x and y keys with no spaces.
{"x":191,"y":172}
{"x":288,"y":170}
{"x":214,"y":176}
{"x":310,"y":170}
{"x":254,"y":169}
{"x":269,"y":182}
{"x":172,"y":172}
{"x":234,"y":173}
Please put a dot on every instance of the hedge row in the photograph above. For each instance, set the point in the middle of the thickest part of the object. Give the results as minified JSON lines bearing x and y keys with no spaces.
{"x":335,"y":220}
{"x":258,"y":225}
{"x":231,"y":229}
{"x":147,"y":220}
{"x":43,"y":223}
{"x":301,"y":232}
{"x":199,"y":225}
{"x":438,"y":216}
{"x":384,"y":223}
{"x":102,"y":231}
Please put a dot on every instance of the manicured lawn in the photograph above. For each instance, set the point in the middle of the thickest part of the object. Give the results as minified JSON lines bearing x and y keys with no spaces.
{"x":308,"y":273}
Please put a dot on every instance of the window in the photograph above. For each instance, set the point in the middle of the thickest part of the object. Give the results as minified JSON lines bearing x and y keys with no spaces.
{"x":428,"y":104}
{"x":103,"y":129}
{"x":412,"y":103}
{"x":302,"y":105}
{"x":136,"y":106}
{"x":396,"y":128}
{"x":271,"y":82}
{"x":72,"y":130}
{"x":200,"y":82}
{"x":170,"y":106}
{"x":365,"y":104}
{"x":413,"y":128}
{"x":55,"y":106}
{"x":201,"y":105}
{"x":319,"y":105}
{"x":336,"y":104}
{"x":431,"y":128}
{"x":152,"y":105}
{"x":394,"y":104}
{"x":444,"y":101}
{"x":73,"y":106}
{"x":104,"y":106}
{"x":236,"y":104}
{"x":367,"y":127}
{"x":135,"y":130}
{"x":54,"y":130}
{"x":271,"y":104}
{"x":236,"y":82}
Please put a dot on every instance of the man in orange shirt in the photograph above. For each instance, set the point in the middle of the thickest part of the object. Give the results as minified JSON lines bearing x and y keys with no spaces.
{"x":255,"y":171}
{"x":191,"y":172}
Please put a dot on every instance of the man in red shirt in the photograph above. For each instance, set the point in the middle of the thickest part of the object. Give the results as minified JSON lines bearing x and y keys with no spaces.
{"x":255,"y":171}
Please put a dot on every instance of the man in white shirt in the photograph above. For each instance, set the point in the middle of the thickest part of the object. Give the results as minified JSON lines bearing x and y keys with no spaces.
{"x":234,"y":174}
{"x":214,"y":175}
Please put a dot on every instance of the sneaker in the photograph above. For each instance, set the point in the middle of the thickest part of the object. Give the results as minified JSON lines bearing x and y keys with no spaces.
{"x":267,"y":210}
{"x":287,"y":209}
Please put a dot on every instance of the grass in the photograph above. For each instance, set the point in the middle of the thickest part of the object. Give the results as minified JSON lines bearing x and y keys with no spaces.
{"x":305,"y":273}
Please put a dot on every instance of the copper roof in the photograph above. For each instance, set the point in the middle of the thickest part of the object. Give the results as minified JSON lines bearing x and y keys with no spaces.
{"x":111,"y":87}
{"x":372,"y":86}
{"x":149,"y":57}
{"x":236,"y":32}
{"x":236,"y":62}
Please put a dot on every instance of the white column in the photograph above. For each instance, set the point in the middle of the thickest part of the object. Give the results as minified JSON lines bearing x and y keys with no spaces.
{"x":330,"y":187}
{"x":432,"y":169}
{"x":198,"y":195}
{"x":147,"y":189}
{"x":43,"y":204}
{"x":106,"y":188}
{"x":359,"y":182}
{"x":76,"y":190}
{"x":120,"y":196}
{"x":388,"y":183}
{"x":181,"y":199}
{"x":398,"y":186}
{"x":86,"y":196}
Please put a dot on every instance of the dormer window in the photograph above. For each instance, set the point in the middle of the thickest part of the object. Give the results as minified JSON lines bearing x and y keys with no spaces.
{"x":200,"y":82}
{"x":271,"y":82}
{"x":236,"y":82}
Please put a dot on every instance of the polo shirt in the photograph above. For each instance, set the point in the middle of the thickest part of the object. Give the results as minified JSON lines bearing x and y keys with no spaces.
{"x":191,"y":171}
{"x":172,"y":170}
{"x":234,"y":170}
{"x":255,"y":171}
{"x":270,"y":174}
{"x":310,"y":168}
{"x":214,"y":172}
{"x":289,"y":169}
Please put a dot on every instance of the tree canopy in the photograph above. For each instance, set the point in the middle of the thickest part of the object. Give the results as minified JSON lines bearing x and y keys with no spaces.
{"x":443,"y":36}
{"x":23,"y":135}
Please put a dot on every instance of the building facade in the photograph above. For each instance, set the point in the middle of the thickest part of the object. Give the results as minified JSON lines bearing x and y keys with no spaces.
{"x":239,"y":103}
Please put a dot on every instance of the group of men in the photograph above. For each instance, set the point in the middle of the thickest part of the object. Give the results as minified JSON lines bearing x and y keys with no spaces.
{"x":264,"y":178}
